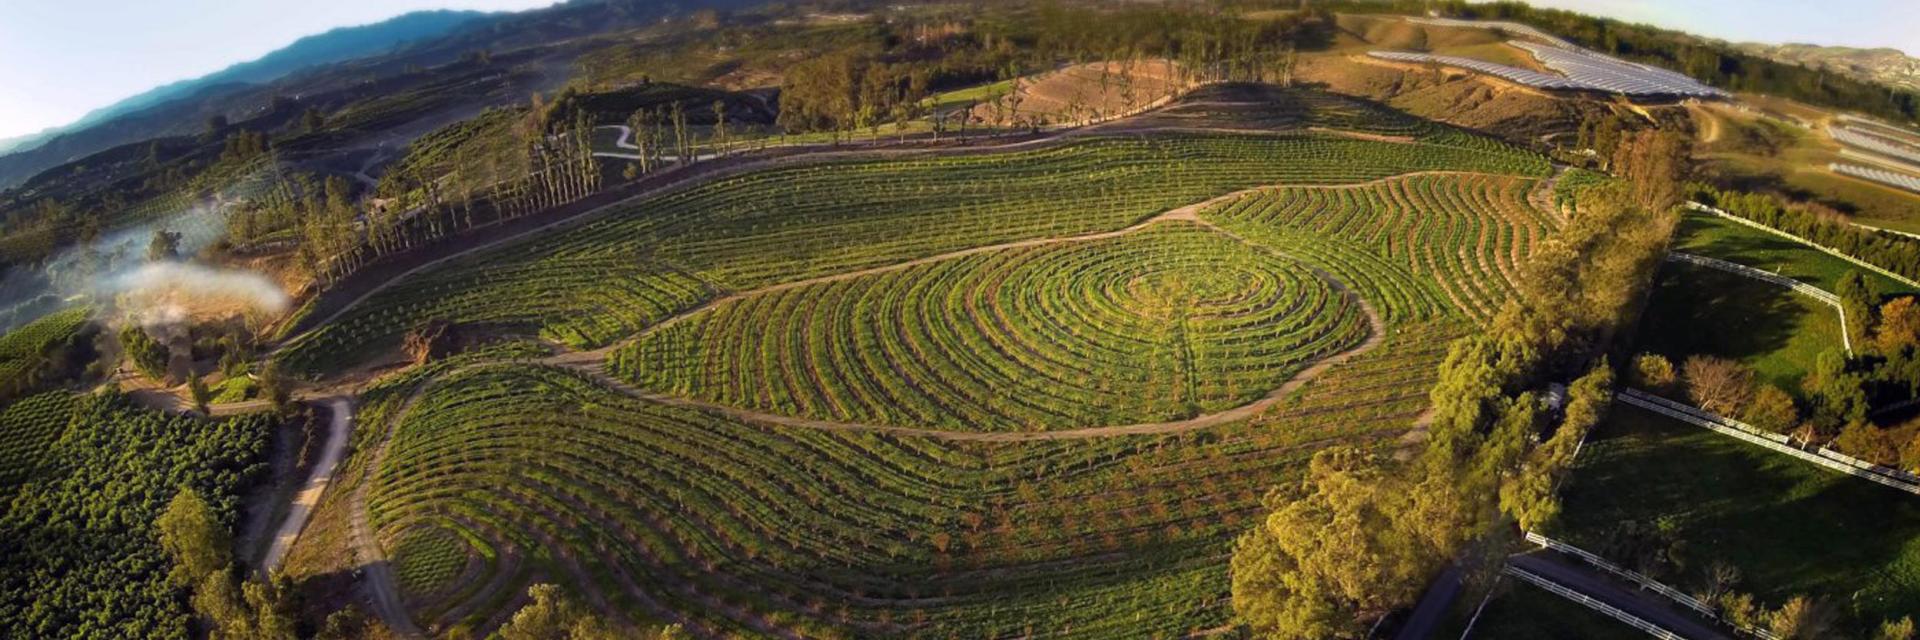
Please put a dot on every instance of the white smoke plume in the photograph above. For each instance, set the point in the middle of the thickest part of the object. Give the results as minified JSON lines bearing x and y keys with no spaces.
{"x":173,"y":293}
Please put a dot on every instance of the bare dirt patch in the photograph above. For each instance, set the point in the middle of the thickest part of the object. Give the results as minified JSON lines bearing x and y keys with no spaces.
{"x":1086,"y":93}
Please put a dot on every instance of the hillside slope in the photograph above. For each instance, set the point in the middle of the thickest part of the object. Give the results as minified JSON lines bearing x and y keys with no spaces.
{"x":1886,"y":66}
{"x":173,"y":107}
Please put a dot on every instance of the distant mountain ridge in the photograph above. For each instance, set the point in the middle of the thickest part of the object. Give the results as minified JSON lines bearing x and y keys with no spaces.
{"x":336,"y":45}
{"x":1886,"y":66}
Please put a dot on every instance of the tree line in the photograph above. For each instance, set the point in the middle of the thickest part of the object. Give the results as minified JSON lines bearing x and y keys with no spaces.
{"x":1821,"y":226}
{"x":1361,"y":534}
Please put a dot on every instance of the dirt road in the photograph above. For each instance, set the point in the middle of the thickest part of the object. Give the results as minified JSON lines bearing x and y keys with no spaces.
{"x":317,"y":480}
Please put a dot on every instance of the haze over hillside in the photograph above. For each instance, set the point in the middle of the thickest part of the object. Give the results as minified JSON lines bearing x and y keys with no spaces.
{"x":26,"y":154}
{"x":1885,"y":65}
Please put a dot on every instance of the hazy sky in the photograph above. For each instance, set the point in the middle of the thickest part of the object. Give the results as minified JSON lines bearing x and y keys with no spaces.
{"x":62,"y":58}
{"x":1854,"y":23}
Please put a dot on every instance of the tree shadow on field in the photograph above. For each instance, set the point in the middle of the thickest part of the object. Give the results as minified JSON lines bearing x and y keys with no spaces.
{"x":1758,"y":249}
{"x":1790,"y":527}
{"x":1703,"y":311}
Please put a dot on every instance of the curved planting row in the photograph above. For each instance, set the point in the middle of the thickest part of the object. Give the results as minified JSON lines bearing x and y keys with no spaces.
{"x":648,"y":258}
{"x":667,"y":514}
{"x":23,"y":350}
{"x":1160,"y":324}
{"x":1420,"y":247}
{"x":28,"y":427}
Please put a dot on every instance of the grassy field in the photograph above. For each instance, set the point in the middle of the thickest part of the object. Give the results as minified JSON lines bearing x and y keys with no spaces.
{"x":1703,"y":311}
{"x":1521,"y":611}
{"x":962,"y":97}
{"x":1645,"y":482}
{"x":1761,"y":151}
{"x":1717,"y":237}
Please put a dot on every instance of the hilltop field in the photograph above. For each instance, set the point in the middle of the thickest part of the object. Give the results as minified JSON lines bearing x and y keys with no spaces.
{"x":1035,"y":414}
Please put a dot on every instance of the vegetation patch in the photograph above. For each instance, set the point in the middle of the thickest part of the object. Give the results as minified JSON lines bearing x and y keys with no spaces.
{"x":1717,"y":237}
{"x":887,"y":536}
{"x":650,"y":258}
{"x":1697,"y":310}
{"x":28,"y":427}
{"x":1674,"y":500}
{"x":34,"y":354}
{"x":1521,"y":611}
{"x":426,"y":560}
{"x":1418,"y":248}
{"x":82,"y":558}
{"x":1162,"y":324}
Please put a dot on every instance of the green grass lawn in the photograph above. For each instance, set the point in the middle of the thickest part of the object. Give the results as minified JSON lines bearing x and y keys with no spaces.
{"x":1716,"y":237}
{"x":1521,"y":611}
{"x":960,"y":97}
{"x":1702,"y":311}
{"x":1790,"y":527}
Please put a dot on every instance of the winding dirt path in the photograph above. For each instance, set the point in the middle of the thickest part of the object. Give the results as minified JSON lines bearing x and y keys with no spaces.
{"x":317,"y":480}
{"x":377,"y":577}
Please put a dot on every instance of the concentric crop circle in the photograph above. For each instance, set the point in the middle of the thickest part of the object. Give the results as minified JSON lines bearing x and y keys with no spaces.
{"x":1161,"y":324}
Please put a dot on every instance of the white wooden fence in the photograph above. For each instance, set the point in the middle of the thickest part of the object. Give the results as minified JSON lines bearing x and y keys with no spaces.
{"x":1645,"y":582}
{"x":1797,"y":286}
{"x":1730,"y":427}
{"x":1590,"y":603}
{"x":1861,"y":263}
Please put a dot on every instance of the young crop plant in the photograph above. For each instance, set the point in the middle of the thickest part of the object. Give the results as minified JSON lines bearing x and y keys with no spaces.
{"x":648,"y":259}
{"x":1162,"y":324}
{"x":1419,"y":247}
{"x":669,"y":513}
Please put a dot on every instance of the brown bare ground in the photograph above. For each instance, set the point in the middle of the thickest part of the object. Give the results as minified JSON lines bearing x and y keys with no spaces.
{"x":1087,"y":92}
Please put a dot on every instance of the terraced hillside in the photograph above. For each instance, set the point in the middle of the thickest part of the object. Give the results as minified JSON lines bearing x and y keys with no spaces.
{"x":1156,"y":325}
{"x":672,"y":514}
{"x":1422,"y":246}
{"x":651,"y":258}
{"x":987,"y":393}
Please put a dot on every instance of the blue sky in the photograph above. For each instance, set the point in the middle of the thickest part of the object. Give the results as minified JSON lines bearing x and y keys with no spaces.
{"x":62,"y":58}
